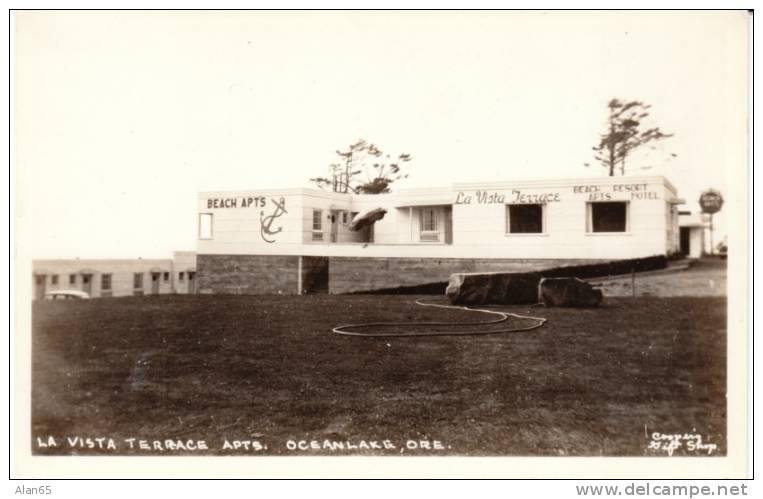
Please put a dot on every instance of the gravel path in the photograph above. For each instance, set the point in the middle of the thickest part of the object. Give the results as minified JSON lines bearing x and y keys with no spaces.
{"x":705,"y":277}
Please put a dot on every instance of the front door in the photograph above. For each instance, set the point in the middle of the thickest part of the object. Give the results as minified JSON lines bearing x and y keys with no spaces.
{"x":191,"y":282}
{"x":334,"y":225}
{"x":155,"y":282}
{"x":684,"y":232}
{"x":87,"y":283}
{"x":39,"y":286}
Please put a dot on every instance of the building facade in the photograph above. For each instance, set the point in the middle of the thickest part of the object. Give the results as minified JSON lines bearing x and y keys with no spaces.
{"x":302,"y":240}
{"x":126,"y":277}
{"x":692,"y":228}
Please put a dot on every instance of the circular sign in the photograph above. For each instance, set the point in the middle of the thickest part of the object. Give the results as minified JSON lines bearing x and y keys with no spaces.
{"x":711,"y":201}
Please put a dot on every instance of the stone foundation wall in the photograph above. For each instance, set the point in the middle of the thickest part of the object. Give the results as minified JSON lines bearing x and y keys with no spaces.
{"x":266,"y":274}
{"x":247,"y":274}
{"x":348,"y":275}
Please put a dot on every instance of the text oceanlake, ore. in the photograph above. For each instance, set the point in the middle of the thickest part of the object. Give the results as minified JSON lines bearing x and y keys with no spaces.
{"x":64,"y":444}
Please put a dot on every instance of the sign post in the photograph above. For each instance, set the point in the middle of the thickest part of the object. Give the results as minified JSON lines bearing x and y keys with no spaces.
{"x":711,"y":202}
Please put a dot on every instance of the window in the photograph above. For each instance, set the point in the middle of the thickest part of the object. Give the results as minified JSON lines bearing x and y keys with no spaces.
{"x":428,"y":220}
{"x":73,"y":279}
{"x":40,"y":280}
{"x":166,"y":276}
{"x":317,"y":225}
{"x":181,"y":276}
{"x":205,"y":226}
{"x":105,"y":282}
{"x":428,"y":223}
{"x":54,"y":279}
{"x":318,"y":220}
{"x":137,"y":281}
{"x":608,"y":217}
{"x":344,"y":218}
{"x":524,"y":219}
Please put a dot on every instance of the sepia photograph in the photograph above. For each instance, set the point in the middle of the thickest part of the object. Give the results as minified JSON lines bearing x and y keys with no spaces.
{"x":448,"y":235}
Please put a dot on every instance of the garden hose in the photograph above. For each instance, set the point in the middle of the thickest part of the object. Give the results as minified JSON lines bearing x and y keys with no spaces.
{"x":351,"y":329}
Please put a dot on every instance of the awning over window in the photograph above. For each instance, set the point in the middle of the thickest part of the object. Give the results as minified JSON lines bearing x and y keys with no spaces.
{"x":366,"y":218}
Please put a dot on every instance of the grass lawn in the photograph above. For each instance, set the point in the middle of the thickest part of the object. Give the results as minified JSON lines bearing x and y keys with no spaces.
{"x":267,"y":368}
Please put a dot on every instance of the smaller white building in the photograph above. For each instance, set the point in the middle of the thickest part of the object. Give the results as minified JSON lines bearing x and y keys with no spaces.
{"x":103,"y":278}
{"x":692,"y":228}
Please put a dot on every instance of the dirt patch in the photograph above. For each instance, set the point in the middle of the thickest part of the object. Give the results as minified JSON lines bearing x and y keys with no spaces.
{"x":703,"y":278}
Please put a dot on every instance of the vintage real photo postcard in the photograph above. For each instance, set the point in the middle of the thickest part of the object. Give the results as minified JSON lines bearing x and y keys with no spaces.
{"x":323,"y":243}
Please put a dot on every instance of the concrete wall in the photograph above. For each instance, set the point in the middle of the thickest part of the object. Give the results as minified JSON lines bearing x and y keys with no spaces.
{"x":271,"y":274}
{"x":248,"y":274}
{"x":347,"y":275}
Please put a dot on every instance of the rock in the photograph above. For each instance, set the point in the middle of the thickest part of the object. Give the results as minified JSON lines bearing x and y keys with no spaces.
{"x":511,"y":288}
{"x":568,"y":292}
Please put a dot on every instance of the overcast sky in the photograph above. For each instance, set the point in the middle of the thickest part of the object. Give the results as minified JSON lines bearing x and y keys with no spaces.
{"x":121,"y":118}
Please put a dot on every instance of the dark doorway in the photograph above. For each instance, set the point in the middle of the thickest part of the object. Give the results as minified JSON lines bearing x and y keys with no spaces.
{"x":87,"y":283}
{"x":39,"y":286}
{"x":315,"y":274}
{"x":334,"y":226}
{"x":684,"y":234}
{"x":191,"y":282}
{"x":155,"y":282}
{"x":367,"y":234}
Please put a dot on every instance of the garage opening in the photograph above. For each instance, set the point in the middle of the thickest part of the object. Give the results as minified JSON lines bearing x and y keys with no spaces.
{"x":314,"y":273}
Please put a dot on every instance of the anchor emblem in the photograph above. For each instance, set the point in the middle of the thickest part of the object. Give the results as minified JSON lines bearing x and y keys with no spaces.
{"x":267,"y":221}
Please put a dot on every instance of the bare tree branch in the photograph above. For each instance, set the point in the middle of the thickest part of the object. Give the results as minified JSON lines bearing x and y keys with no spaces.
{"x":623,"y":134}
{"x":379,"y":174}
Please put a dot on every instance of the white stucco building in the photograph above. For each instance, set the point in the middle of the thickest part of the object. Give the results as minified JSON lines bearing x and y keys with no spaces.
{"x":692,"y":228}
{"x":292,"y":240}
{"x":104,"y":278}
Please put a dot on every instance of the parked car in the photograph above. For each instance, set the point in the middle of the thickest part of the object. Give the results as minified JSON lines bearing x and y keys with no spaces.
{"x":66,"y":294}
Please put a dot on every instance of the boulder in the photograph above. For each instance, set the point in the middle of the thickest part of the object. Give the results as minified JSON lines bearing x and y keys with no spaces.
{"x":511,"y":288}
{"x":568,"y":292}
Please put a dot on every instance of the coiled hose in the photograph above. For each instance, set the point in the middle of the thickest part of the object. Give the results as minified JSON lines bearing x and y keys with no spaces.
{"x":347,"y":329}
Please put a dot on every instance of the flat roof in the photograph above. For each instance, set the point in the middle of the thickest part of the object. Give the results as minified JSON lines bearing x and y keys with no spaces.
{"x":443,"y":191}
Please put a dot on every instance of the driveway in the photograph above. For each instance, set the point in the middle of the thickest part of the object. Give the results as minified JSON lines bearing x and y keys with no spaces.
{"x":706,"y":277}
